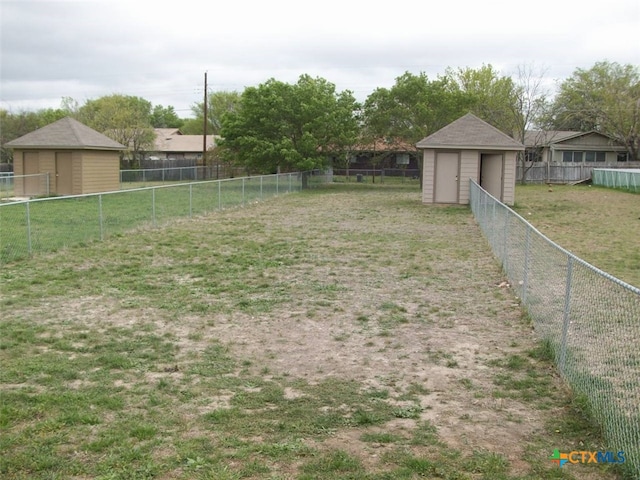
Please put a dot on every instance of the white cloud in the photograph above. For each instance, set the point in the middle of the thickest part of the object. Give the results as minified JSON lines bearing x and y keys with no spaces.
{"x":160,"y":50}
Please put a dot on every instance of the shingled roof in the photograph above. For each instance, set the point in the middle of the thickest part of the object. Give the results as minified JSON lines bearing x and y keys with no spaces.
{"x":66,"y":133}
{"x":470,"y":132}
{"x":172,"y":140}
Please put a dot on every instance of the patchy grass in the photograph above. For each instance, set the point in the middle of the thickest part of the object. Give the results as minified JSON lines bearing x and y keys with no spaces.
{"x":48,"y":224}
{"x":599,"y":225}
{"x":349,"y":332}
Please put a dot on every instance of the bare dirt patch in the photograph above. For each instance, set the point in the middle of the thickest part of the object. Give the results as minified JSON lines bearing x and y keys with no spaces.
{"x":376,"y":288}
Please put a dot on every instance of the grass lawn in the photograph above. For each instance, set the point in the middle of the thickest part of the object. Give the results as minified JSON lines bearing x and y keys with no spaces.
{"x":599,"y":225}
{"x":47,"y":224}
{"x":342,"y":332}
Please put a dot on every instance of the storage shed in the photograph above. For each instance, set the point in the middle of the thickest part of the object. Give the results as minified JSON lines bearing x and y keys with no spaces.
{"x":77,"y":158}
{"x":468,"y":148}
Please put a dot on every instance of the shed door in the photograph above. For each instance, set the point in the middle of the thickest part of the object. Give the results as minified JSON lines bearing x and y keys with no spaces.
{"x":446,"y":178}
{"x":491,"y":174}
{"x":64,"y":174}
{"x":31,"y":166}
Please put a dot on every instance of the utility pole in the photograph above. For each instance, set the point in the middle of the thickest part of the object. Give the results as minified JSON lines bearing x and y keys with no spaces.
{"x":204,"y":137}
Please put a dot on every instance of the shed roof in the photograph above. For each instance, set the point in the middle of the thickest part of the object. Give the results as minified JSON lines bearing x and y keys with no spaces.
{"x":470,"y":132}
{"x":66,"y":133}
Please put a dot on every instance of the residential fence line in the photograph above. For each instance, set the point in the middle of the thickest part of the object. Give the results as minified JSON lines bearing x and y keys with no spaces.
{"x":590,"y":318}
{"x":47,"y":224}
{"x":545,"y":172}
{"x":166,"y":174}
{"x":375,"y":175}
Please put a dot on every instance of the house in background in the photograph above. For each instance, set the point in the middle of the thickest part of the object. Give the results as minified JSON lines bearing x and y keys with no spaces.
{"x":72,"y":158}
{"x":381,"y":154}
{"x":468,"y":148}
{"x":171,"y":144}
{"x":568,"y":147}
{"x":561,"y":156}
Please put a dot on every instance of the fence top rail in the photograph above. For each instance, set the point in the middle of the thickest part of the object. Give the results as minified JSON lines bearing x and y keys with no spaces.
{"x":11,"y":174}
{"x":155,"y":169}
{"x":623,"y":170}
{"x":573,"y":257}
{"x":155,"y":187}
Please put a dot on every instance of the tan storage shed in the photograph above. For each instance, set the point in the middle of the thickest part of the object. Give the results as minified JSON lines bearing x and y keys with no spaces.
{"x":78,"y":159}
{"x":468,"y":148}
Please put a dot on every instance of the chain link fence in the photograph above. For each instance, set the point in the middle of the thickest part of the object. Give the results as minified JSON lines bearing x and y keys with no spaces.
{"x":23,"y":185}
{"x":590,"y":318}
{"x":48,"y":224}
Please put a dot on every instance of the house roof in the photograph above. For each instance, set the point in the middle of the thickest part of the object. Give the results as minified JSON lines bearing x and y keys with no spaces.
{"x":545,"y":138}
{"x":385,"y":145}
{"x":66,"y":133}
{"x":470,"y":132}
{"x":172,"y":140}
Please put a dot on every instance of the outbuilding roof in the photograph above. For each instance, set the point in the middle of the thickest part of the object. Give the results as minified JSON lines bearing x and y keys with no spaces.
{"x":66,"y":133}
{"x":470,"y":133}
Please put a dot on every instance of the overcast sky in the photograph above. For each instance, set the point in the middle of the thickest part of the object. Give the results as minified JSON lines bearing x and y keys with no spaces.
{"x":159,"y":50}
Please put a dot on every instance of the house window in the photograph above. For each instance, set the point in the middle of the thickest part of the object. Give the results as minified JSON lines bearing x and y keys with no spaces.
{"x":533,"y":155}
{"x":595,"y":156}
{"x":623,"y":156}
{"x":572,"y":156}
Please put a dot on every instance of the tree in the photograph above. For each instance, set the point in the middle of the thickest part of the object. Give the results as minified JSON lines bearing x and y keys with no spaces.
{"x":218,"y":104}
{"x":492,"y":97}
{"x":165,"y":117}
{"x":280,"y":126}
{"x":125,"y":119}
{"x":531,"y":102}
{"x":604,"y":98}
{"x":512,"y":105}
{"x":413,"y":108}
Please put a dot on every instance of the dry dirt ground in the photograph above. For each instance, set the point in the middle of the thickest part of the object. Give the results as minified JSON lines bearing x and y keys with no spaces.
{"x":376,"y":288}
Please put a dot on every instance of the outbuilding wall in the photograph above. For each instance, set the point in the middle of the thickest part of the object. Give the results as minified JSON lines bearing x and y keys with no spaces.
{"x":509,"y":178}
{"x":470,"y":161}
{"x":92,"y":171}
{"x":469,"y":168}
{"x":100,"y":171}
{"x":428,"y":174}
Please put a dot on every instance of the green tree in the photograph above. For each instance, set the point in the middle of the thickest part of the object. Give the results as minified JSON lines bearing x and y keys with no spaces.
{"x":192,"y":126}
{"x":218,"y":104}
{"x":289,"y":126}
{"x":492,"y":97}
{"x":413,"y":108}
{"x":605,"y":98}
{"x":165,"y":117}
{"x":125,"y":119}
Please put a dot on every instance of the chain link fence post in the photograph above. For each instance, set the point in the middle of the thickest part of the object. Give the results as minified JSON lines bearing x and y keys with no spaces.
{"x":28,"y":213}
{"x":100,"y":218}
{"x":566,"y":318}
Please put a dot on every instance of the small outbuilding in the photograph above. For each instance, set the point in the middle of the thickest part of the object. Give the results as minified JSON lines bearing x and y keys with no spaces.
{"x":77,"y":159}
{"x":468,"y":148}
